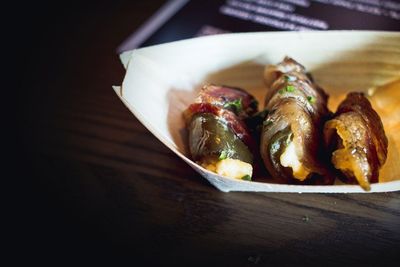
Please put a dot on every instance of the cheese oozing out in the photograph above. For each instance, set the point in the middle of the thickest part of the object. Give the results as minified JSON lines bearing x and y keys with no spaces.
{"x":232,"y":168}
{"x":289,"y":158}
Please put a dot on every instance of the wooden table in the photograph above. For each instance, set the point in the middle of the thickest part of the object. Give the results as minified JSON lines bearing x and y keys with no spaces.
{"x":98,"y":183}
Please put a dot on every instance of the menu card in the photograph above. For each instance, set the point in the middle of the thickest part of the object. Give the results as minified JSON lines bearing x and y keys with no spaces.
{"x":182,"y":19}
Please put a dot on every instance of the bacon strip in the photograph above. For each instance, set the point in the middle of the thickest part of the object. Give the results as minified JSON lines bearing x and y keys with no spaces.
{"x":221,"y":95}
{"x":298,"y":108}
{"x":213,"y":99}
{"x":357,"y":140}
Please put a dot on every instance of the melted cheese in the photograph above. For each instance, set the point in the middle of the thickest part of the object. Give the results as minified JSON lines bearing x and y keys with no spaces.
{"x":290,"y":159}
{"x":232,"y":168}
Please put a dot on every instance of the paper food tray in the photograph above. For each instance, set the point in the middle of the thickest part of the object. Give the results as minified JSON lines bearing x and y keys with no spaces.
{"x":163,"y":80}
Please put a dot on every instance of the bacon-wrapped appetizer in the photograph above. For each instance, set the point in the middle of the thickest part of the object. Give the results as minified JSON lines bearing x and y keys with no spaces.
{"x":291,"y":136}
{"x":357,"y":141}
{"x":218,"y":137}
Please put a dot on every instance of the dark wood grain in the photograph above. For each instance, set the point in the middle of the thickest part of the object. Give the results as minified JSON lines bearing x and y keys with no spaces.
{"x":100,"y":184}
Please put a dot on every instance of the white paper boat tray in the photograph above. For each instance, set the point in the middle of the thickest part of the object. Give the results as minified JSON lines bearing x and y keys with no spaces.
{"x":162,"y":80}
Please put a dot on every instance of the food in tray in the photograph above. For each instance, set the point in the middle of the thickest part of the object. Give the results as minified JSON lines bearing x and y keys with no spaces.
{"x":356,"y":140}
{"x":295,"y":136}
{"x":291,"y":137}
{"x":219,"y":140}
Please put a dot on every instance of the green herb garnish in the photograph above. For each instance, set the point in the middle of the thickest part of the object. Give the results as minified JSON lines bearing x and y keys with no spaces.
{"x":223,"y":155}
{"x":246,"y":177}
{"x":235,"y":105}
{"x":311,"y":99}
{"x":290,"y":88}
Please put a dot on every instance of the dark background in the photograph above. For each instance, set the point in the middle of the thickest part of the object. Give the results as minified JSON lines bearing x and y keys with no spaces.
{"x":89,"y":184}
{"x":59,"y":54}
